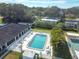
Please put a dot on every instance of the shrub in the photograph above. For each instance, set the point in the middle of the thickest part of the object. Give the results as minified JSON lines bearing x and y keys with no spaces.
{"x":60,"y":48}
{"x":70,"y":29}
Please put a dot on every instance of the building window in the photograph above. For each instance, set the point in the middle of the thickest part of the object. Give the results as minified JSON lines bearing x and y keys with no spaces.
{"x":22,"y":33}
{"x":0,"y":49}
{"x":8,"y":43}
{"x":16,"y":37}
{"x":11,"y":41}
{"x":3,"y":47}
{"x":19,"y":35}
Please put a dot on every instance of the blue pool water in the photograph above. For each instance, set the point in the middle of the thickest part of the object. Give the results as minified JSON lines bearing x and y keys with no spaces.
{"x":74,"y":45}
{"x":38,"y":41}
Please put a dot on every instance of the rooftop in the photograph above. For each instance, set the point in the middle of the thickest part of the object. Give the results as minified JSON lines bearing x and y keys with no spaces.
{"x":9,"y":31}
{"x":72,"y":34}
{"x":53,"y":20}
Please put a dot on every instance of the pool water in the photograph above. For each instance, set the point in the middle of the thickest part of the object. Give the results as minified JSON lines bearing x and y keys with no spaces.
{"x":38,"y":41}
{"x":74,"y":44}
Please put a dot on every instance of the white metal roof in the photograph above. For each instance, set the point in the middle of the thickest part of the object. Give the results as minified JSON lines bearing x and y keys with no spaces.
{"x":53,"y":20}
{"x":72,"y":34}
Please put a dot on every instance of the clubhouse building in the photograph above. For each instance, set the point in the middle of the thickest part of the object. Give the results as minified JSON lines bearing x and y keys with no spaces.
{"x":10,"y":33}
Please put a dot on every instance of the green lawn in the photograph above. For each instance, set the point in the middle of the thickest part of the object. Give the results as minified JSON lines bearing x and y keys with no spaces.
{"x":12,"y":55}
{"x":1,"y":20}
{"x":41,"y":30}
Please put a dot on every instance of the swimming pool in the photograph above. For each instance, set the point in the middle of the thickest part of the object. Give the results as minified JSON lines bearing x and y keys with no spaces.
{"x":38,"y":41}
{"x":74,"y":45}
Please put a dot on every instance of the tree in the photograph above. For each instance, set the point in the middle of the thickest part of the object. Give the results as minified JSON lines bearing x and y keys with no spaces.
{"x":60,"y":47}
{"x":57,"y":36}
{"x":60,"y":25}
{"x":20,"y":13}
{"x":15,"y":13}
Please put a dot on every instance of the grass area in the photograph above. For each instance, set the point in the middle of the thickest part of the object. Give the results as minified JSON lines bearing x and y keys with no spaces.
{"x":1,"y":20}
{"x":12,"y":55}
{"x":41,"y":30}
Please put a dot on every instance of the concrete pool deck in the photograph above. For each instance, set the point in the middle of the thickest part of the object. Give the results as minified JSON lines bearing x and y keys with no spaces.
{"x":46,"y":52}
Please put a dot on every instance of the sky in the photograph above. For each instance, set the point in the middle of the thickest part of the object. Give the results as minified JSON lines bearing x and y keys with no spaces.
{"x":45,"y":3}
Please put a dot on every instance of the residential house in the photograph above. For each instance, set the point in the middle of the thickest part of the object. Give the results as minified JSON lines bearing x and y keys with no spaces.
{"x":72,"y":23}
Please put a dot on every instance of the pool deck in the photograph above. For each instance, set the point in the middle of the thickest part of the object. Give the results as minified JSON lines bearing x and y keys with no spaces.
{"x":77,"y":53}
{"x":76,"y":36}
{"x":46,"y":52}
